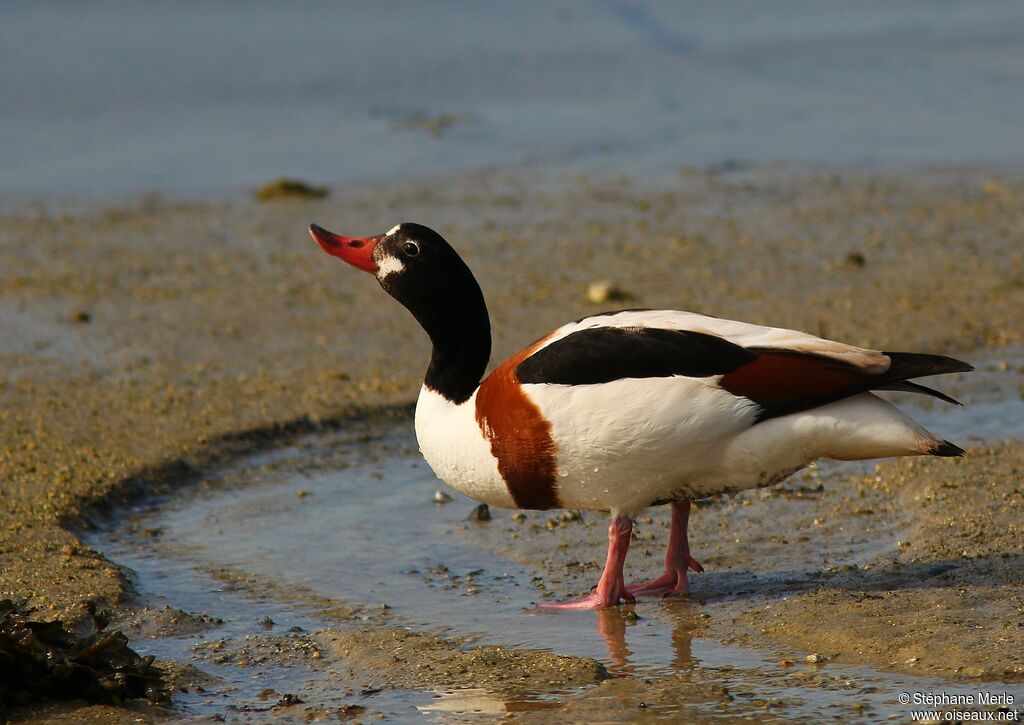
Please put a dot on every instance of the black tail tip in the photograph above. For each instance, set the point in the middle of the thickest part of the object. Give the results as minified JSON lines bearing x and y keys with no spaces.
{"x":946,"y":450}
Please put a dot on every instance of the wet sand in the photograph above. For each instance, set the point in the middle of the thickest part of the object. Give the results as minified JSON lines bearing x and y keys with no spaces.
{"x":147,"y":341}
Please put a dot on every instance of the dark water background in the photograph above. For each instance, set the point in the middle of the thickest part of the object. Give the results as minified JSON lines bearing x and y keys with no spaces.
{"x":108,"y":99}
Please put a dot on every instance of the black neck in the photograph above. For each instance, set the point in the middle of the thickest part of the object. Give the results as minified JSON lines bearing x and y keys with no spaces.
{"x":436,"y":286}
{"x":462,"y":346}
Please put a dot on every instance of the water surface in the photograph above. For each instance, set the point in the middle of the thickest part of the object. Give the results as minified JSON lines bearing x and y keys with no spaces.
{"x":111,"y":99}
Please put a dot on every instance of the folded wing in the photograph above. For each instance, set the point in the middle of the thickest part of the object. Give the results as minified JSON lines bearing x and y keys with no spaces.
{"x":779,"y":379}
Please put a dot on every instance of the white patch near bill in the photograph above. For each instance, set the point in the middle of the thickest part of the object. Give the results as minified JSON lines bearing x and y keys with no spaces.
{"x":393,"y":229}
{"x":389,"y":265}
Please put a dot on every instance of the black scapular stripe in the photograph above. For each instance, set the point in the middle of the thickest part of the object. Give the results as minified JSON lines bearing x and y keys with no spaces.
{"x":604,"y":354}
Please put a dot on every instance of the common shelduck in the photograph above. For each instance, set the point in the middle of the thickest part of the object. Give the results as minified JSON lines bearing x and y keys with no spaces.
{"x":624,"y":410}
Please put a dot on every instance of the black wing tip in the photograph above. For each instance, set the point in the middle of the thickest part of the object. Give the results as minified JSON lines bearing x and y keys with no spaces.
{"x":910,"y":387}
{"x":919,"y":365}
{"x":945,"y":449}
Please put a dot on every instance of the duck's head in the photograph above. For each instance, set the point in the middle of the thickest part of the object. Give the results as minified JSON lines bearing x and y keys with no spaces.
{"x":416,"y":266}
{"x":412,"y":262}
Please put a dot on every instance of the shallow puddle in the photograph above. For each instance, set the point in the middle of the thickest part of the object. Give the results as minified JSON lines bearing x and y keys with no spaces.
{"x":344,"y":530}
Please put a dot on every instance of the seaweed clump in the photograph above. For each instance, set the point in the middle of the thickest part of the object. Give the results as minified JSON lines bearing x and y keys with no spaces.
{"x":42,"y":661}
{"x":290,"y":189}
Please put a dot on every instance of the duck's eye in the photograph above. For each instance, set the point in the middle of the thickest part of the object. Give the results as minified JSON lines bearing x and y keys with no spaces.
{"x":411,"y":249}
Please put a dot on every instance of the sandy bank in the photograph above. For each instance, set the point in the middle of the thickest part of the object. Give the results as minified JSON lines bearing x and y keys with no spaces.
{"x":144,"y":340}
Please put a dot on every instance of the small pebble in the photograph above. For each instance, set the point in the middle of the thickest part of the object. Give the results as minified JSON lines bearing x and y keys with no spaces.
{"x":480,"y":513}
{"x":817,"y":658}
{"x":604,"y":290}
{"x":441,"y":497}
{"x":856,"y":259}
{"x":347,"y":712}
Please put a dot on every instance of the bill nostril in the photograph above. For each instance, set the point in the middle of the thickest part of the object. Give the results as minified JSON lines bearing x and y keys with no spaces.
{"x":355,"y":244}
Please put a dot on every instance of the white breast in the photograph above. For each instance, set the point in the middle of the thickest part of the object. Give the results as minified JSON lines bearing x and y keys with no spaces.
{"x":452,"y":443}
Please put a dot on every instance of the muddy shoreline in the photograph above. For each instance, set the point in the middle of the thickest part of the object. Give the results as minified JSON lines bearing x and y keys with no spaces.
{"x":150,"y":340}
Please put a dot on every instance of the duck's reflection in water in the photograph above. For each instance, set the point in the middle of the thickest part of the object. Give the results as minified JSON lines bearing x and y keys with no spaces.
{"x":616,"y":624}
{"x":611,"y":625}
{"x":661,"y":639}
{"x":478,"y":701}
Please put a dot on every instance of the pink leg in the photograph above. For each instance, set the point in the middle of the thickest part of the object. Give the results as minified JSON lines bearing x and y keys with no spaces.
{"x":677,"y":557}
{"x":612,"y":586}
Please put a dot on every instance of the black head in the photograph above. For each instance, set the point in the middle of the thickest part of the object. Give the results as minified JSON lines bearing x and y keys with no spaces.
{"x":415,"y":265}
